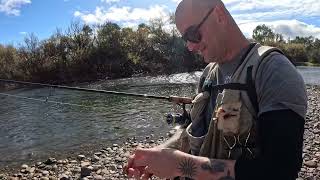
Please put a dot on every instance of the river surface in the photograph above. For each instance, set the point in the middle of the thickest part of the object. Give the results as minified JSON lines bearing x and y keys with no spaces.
{"x":33,"y":130}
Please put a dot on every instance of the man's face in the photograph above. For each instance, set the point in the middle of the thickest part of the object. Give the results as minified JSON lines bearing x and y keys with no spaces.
{"x":195,"y":26}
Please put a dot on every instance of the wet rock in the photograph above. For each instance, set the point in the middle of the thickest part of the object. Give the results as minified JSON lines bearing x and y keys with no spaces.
{"x":50,"y":161}
{"x":86,"y":171}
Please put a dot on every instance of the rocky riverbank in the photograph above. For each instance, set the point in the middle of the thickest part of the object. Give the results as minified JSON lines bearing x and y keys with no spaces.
{"x":108,"y":162}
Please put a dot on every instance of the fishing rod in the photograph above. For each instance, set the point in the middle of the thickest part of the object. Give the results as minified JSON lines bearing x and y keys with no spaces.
{"x":174,"y":99}
{"x":171,"y":118}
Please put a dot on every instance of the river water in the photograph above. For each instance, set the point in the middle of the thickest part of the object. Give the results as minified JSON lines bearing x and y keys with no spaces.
{"x":35,"y":130}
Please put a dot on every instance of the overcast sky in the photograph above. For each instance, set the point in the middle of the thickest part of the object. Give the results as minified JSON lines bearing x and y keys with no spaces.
{"x":42,"y":17}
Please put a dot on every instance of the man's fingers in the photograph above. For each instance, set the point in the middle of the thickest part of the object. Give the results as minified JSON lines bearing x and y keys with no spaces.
{"x":130,"y":161}
{"x":136,"y":174}
{"x":130,"y":172}
{"x":141,"y":157}
{"x":147,"y":174}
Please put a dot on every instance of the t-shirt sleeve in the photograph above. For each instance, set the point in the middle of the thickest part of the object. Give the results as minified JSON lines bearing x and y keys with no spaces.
{"x":280,"y":86}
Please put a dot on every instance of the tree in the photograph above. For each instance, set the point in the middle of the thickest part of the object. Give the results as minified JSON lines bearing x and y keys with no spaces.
{"x":263,"y":34}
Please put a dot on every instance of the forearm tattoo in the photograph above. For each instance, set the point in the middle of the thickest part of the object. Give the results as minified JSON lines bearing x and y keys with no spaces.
{"x":214,"y":166}
{"x":188,"y":168}
{"x":227,"y":177}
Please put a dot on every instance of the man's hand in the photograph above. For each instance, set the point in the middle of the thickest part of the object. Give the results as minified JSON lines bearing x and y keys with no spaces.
{"x":170,"y":163}
{"x":161,"y":162}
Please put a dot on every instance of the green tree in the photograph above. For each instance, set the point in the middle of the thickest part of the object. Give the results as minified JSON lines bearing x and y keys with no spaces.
{"x":263,"y":34}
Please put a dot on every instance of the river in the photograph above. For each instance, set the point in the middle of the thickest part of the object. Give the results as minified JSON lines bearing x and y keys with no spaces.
{"x":35,"y":130}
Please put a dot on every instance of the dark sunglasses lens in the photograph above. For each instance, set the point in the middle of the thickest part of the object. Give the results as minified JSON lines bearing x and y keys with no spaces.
{"x":192,"y":35}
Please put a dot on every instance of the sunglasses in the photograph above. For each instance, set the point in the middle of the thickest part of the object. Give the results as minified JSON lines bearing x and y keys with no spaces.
{"x":192,"y":33}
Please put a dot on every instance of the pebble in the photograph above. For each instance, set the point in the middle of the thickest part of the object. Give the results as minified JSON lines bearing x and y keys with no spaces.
{"x":311,"y":164}
{"x":45,"y":173}
{"x":81,"y":157}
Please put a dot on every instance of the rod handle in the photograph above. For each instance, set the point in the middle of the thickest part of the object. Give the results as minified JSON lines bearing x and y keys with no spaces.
{"x":180,"y":100}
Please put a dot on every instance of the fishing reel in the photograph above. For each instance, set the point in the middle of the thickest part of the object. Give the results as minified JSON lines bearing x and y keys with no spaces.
{"x":183,"y":119}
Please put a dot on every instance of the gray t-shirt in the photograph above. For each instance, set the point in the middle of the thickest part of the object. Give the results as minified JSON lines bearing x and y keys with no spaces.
{"x":278,"y":85}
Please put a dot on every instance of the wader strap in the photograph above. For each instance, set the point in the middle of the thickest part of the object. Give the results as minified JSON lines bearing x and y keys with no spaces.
{"x":251,"y":91}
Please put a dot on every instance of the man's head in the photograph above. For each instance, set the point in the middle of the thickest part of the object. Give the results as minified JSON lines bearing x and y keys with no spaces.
{"x":207,"y":27}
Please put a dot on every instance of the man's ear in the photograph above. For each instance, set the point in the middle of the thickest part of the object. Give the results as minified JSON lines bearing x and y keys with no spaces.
{"x":221,"y":14}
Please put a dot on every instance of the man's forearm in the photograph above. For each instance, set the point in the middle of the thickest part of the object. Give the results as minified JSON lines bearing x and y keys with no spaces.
{"x":195,"y":167}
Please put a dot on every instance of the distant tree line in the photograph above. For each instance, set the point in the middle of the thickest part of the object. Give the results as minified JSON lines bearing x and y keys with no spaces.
{"x":85,"y":53}
{"x":88,"y":53}
{"x":301,"y":50}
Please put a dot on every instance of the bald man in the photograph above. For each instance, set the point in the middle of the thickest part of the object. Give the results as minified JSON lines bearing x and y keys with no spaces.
{"x":276,"y":130}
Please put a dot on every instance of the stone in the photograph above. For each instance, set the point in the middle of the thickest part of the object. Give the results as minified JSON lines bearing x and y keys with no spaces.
{"x":86,"y":171}
{"x":98,"y":153}
{"x":52,"y":178}
{"x":95,"y":158}
{"x":45,"y":173}
{"x":64,"y":177}
{"x":31,"y":170}
{"x":113,"y":167}
{"x":115,"y":145}
{"x":118,"y":159}
{"x":96,"y":167}
{"x":24,"y":166}
{"x":50,"y":161}
{"x":311,"y":164}
{"x":81,"y":157}
{"x":98,"y":177}
{"x":85,"y":163}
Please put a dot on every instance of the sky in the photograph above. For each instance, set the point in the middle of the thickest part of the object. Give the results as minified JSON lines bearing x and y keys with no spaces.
{"x":20,"y":18}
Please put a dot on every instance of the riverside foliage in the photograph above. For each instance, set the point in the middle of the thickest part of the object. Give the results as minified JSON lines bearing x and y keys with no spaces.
{"x":88,"y":53}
